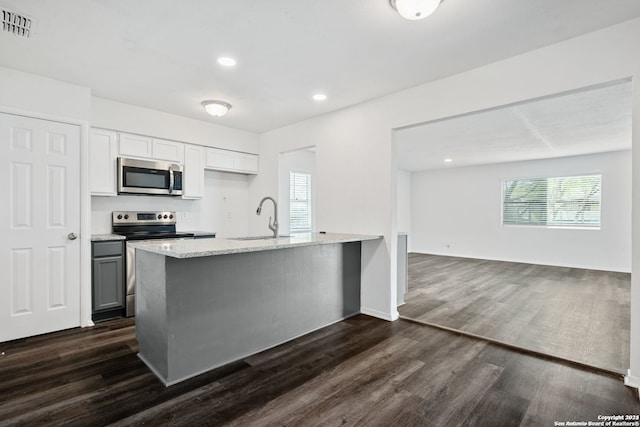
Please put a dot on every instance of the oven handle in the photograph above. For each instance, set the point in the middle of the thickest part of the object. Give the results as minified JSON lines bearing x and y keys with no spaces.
{"x":170,"y":179}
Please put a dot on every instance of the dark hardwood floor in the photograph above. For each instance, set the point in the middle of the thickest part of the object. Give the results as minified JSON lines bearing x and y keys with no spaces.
{"x":361,"y":371}
{"x":571,"y":313}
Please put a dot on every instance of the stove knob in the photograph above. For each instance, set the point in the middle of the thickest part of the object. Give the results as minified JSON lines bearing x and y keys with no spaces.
{"x":170,"y":216}
{"x":126,"y":216}
{"x":159,"y":216}
{"x":165,"y":217}
{"x":120,"y":216}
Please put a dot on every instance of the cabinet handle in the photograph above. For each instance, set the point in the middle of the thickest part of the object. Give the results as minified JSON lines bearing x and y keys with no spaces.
{"x":171,"y":179}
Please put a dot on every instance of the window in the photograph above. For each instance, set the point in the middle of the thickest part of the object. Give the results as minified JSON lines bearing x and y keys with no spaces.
{"x":572,"y":201}
{"x":299,"y":202}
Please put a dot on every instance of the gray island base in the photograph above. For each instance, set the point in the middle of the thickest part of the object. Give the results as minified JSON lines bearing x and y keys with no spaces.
{"x":203,"y":305}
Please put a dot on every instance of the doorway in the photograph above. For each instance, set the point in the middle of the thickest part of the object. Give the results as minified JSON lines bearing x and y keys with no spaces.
{"x":469,"y":267}
{"x":297,"y":191}
{"x":41,"y":164}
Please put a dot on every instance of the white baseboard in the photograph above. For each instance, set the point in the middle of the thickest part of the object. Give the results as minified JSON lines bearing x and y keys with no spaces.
{"x":632,"y":381}
{"x":380,"y":314}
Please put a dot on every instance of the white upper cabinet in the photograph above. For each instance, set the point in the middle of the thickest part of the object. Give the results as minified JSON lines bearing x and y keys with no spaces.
{"x":219,"y":159}
{"x":193,"y":182}
{"x":135,"y":146}
{"x":107,"y":145}
{"x":168,"y":150}
{"x":231,"y":161}
{"x":244,"y":162}
{"x":103,"y":154}
{"x":145,"y":147}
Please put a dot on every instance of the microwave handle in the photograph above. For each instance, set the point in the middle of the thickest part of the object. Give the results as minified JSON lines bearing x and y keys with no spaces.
{"x":170,"y":179}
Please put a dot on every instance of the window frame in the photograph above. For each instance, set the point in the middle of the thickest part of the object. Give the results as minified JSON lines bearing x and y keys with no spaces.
{"x":309,"y":202}
{"x":503,"y":181}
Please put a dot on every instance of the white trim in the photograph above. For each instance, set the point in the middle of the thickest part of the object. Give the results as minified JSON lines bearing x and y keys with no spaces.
{"x":85,"y":229}
{"x":310,"y":200}
{"x":85,"y":204}
{"x":632,"y":381}
{"x":380,"y":314}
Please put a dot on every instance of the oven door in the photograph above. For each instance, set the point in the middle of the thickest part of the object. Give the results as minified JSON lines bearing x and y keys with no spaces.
{"x":130,"y":265}
{"x":145,"y":177}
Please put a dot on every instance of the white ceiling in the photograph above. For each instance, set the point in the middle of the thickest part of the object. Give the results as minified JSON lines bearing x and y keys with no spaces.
{"x":161,"y":54}
{"x":591,"y":121}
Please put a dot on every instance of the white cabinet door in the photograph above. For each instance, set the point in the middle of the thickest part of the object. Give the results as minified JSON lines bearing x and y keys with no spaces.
{"x":193,"y":176}
{"x":103,"y":149}
{"x":219,"y":159}
{"x":40,"y":262}
{"x":247,"y":163}
{"x":146,"y":147}
{"x":168,"y":150}
{"x":135,"y":145}
{"x":231,"y":161}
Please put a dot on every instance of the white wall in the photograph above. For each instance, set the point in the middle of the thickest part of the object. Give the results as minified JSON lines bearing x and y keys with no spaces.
{"x":457,"y":212}
{"x":633,"y":374}
{"x":42,"y":95}
{"x":404,"y":201}
{"x":224,"y":209}
{"x":114,"y":115}
{"x":353,"y":187}
{"x":297,"y":161}
{"x":355,"y":156}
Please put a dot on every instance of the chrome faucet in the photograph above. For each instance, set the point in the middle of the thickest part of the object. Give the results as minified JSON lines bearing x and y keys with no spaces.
{"x":272,"y":226}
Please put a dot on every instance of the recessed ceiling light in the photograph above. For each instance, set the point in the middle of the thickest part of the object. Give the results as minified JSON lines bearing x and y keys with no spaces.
{"x":319,"y":97}
{"x":448,"y":160}
{"x":225,"y":61}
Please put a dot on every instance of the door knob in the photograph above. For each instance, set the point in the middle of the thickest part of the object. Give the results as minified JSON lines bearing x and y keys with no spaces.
{"x":72,"y":236}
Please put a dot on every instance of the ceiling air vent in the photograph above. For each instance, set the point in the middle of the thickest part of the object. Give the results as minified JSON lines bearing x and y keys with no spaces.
{"x":16,"y":23}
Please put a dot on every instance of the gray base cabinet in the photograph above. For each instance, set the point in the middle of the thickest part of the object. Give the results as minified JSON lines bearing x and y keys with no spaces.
{"x":108,"y":279}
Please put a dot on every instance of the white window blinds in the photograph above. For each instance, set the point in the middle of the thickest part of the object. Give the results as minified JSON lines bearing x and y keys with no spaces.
{"x":299,"y":202}
{"x":572,"y":201}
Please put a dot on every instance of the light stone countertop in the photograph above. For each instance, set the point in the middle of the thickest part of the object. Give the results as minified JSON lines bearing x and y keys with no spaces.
{"x":193,"y":248}
{"x":106,"y":237}
{"x":200,"y":234}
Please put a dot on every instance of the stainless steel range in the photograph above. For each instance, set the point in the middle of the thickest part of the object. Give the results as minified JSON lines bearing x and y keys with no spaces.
{"x":143,"y":226}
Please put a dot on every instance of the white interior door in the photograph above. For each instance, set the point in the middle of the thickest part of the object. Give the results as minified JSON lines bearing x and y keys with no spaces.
{"x":40,"y":261}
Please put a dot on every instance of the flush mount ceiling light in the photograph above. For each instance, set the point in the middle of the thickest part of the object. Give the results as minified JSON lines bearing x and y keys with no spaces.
{"x":415,"y":9}
{"x":320,"y":97}
{"x":448,"y":160}
{"x":216,"y":108}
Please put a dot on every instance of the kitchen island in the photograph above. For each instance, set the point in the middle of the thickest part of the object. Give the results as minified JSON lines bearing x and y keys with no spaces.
{"x":204,"y":303}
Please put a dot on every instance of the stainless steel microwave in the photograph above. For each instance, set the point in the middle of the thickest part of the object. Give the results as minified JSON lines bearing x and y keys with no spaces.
{"x":149,"y":177}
